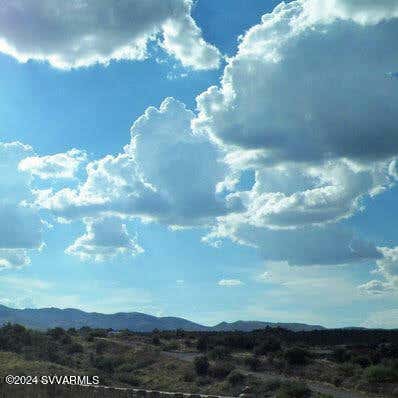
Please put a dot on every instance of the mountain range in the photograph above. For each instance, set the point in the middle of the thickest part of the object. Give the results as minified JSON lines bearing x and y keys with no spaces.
{"x":44,"y":318}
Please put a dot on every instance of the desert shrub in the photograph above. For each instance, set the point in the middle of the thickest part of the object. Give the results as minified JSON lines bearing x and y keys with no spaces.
{"x":293,"y":390}
{"x":235,"y":378}
{"x":56,"y":333}
{"x":388,"y":351}
{"x":296,"y":356}
{"x":188,"y":343}
{"x":144,"y":358}
{"x":341,"y":355}
{"x":220,"y":353}
{"x":105,"y":364}
{"x":156,"y":340}
{"x":362,"y":361}
{"x":75,"y":348}
{"x":253,"y":363}
{"x":171,"y":366}
{"x":66,"y":339}
{"x":381,"y":374}
{"x":189,"y":376}
{"x":171,"y":346}
{"x":100,"y":347}
{"x":53,"y":354}
{"x":125,"y":367}
{"x":203,"y":381}
{"x":201,"y":364}
{"x":99,"y":333}
{"x":270,"y":344}
{"x":128,"y":378}
{"x":220,"y":370}
{"x":89,"y":338}
{"x":272,"y":385}
{"x":347,"y":369}
{"x":180,"y":333}
{"x":203,"y":344}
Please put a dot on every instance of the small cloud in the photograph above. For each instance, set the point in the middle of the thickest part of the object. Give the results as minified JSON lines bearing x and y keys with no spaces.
{"x":391,"y":75}
{"x":180,"y":281}
{"x":375,"y":287}
{"x":230,"y":282}
{"x":60,"y":165}
{"x":265,"y":277}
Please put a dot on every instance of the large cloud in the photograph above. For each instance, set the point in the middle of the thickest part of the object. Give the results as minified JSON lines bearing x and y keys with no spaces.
{"x":304,"y":91}
{"x":72,"y":34}
{"x":323,"y":245}
{"x":305,"y":104}
{"x":295,"y":195}
{"x":165,"y":174}
{"x":20,"y":225}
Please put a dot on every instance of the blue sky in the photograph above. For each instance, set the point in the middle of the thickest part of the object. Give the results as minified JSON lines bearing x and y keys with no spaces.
{"x":166,"y":166}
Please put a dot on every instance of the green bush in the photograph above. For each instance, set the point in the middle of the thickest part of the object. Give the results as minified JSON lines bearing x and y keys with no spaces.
{"x":270,"y":344}
{"x":296,"y":356}
{"x":126,"y":368}
{"x":203,"y":344}
{"x":381,"y":374}
{"x":171,"y":346}
{"x":253,"y":363}
{"x":203,"y":381}
{"x":66,"y":339}
{"x":188,"y":343}
{"x":105,"y":364}
{"x":236,"y":378}
{"x":201,"y":365}
{"x":128,"y":378}
{"x":341,"y":355}
{"x":220,"y":353}
{"x":56,"y":333}
{"x":189,"y":376}
{"x":100,"y":347}
{"x":347,"y":369}
{"x":362,"y":361}
{"x":220,"y":370}
{"x":144,"y":358}
{"x":155,"y":340}
{"x":293,"y":390}
{"x":75,"y":348}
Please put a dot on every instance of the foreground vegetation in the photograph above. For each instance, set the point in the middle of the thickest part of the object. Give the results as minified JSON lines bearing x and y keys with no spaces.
{"x":212,"y":363}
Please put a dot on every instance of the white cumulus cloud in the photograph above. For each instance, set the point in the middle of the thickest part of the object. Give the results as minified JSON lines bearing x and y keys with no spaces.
{"x":305,"y":105}
{"x":72,"y":34}
{"x":60,"y":165}
{"x":20,"y":225}
{"x":166,"y":173}
{"x":230,"y":282}
{"x":361,"y":11}
{"x":104,"y":239}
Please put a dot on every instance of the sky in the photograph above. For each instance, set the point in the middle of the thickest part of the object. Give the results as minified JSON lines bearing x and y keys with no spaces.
{"x":217,"y":161}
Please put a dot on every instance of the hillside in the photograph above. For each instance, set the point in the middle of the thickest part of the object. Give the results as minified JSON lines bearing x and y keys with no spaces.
{"x":248,"y":326}
{"x":45,"y":318}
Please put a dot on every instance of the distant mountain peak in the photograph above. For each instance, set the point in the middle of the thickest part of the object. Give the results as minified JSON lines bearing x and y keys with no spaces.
{"x":44,"y":318}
